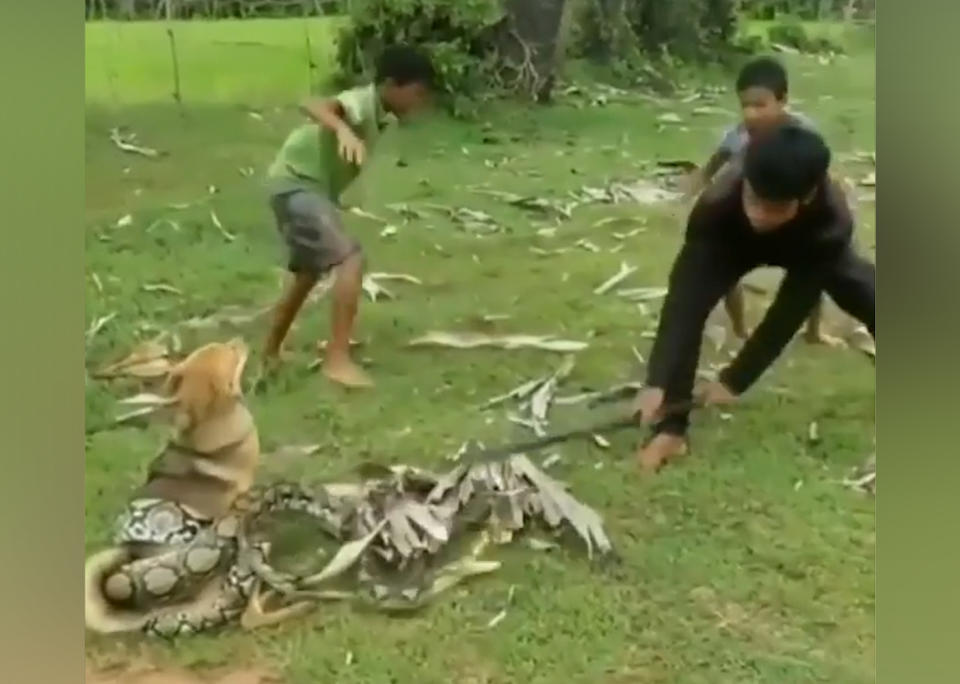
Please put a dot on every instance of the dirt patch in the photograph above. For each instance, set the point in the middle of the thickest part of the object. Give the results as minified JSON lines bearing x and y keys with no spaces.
{"x":148,"y":674}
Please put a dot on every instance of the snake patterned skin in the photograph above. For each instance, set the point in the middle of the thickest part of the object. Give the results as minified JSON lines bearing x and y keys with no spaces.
{"x":191,"y":573}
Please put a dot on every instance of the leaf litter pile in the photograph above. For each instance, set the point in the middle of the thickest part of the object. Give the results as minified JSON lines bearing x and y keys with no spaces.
{"x":411,"y":534}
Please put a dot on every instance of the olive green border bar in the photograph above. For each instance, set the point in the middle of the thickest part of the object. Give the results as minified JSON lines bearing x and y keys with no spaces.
{"x":41,"y":297}
{"x":918,"y":566}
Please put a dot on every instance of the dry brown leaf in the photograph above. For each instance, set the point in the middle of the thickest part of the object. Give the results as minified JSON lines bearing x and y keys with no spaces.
{"x":147,"y":360}
{"x":357,"y":211}
{"x":625,"y":272}
{"x":541,"y":544}
{"x":227,"y":235}
{"x":161,"y":287}
{"x":346,"y":556}
{"x":669,"y":117}
{"x":99,"y":324}
{"x":127,"y":145}
{"x":471,"y":340}
{"x":643,"y":294}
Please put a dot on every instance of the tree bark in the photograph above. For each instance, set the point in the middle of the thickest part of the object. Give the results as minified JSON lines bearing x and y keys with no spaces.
{"x":530,"y":42}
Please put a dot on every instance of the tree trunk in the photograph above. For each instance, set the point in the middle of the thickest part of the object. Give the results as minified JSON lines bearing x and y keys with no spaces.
{"x":530,"y":43}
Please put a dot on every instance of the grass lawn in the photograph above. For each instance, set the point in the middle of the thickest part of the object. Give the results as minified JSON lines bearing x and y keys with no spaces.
{"x":747,"y":562}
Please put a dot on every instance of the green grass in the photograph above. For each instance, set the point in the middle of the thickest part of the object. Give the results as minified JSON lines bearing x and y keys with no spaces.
{"x":748,"y":562}
{"x":250,"y":61}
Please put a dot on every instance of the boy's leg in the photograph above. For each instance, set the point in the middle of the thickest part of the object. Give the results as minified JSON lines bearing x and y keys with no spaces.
{"x":284,"y":313}
{"x":852,"y":285}
{"x":314,"y":235}
{"x":813,"y":333}
{"x":705,"y":275}
{"x":736,"y":310}
{"x":347,"y":289}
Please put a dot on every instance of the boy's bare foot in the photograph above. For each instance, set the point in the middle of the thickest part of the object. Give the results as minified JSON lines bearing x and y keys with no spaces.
{"x":662,"y":448}
{"x":345,"y":372}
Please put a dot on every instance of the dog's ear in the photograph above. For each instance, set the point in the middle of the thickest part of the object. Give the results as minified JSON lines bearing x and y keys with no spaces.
{"x":235,"y":389}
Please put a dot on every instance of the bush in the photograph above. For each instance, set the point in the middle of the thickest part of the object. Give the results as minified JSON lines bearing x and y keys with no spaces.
{"x":791,"y":32}
{"x":636,"y":30}
{"x":460,"y":35}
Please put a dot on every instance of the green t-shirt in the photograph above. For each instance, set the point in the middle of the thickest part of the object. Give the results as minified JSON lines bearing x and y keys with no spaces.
{"x":309,"y":158}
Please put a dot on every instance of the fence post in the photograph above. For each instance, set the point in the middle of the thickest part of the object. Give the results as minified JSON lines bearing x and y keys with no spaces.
{"x":173,"y":54}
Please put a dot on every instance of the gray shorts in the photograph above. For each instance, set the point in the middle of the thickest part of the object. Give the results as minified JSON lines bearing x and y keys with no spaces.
{"x":313,"y":232}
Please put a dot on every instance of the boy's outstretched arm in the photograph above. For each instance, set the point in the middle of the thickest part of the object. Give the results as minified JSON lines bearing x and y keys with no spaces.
{"x":330,"y":113}
{"x":795,"y":300}
{"x":701,"y":274}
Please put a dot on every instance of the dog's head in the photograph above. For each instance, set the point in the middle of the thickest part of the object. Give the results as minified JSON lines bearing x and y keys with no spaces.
{"x":207,"y":383}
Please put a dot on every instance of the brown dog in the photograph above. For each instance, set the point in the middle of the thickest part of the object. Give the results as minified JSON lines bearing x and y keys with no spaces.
{"x":209,"y":461}
{"x":214,"y":452}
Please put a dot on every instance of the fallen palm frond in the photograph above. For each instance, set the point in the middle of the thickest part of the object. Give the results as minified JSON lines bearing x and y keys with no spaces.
{"x":471,"y":340}
{"x":625,"y":272}
{"x":148,"y":360}
{"x":639,"y":192}
{"x":532,"y":203}
{"x":864,"y":478}
{"x":128,"y":144}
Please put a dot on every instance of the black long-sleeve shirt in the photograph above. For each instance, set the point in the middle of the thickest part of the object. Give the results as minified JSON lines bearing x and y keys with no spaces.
{"x":719,"y":248}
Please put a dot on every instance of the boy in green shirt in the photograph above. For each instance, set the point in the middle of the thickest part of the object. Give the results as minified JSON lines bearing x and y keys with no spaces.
{"x":312,"y":169}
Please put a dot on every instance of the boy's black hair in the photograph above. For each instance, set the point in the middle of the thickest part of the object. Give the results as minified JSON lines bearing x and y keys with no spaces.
{"x":763,"y":72}
{"x":403,"y":65}
{"x":786,"y":164}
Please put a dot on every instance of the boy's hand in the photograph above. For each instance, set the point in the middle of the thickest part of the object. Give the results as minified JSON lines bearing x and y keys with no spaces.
{"x":714,"y":394}
{"x":351,"y":148}
{"x":648,"y":405}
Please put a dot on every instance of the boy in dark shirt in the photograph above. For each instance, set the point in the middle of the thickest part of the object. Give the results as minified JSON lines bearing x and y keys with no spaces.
{"x":762,"y":89}
{"x":780,"y":208}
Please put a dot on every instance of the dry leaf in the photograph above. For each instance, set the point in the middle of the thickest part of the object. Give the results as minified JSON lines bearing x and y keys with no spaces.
{"x":669,"y":117}
{"x":357,"y":211}
{"x":124,"y":221}
{"x":228,"y":236}
{"x":559,"y":505}
{"x":147,"y":360}
{"x":519,"y":392}
{"x":541,"y":544}
{"x":550,"y":461}
{"x":374,"y":290}
{"x":813,"y":432}
{"x":161,"y":287}
{"x":587,"y":245}
{"x":388,"y":231}
{"x":346,"y":556}
{"x":497,"y":619}
{"x":630,"y":234}
{"x":127,"y":145}
{"x":625,"y":271}
{"x":601,"y":441}
{"x":471,"y":340}
{"x":643,"y":294}
{"x":99,"y":324}
{"x":870,"y":180}
{"x":404,"y":277}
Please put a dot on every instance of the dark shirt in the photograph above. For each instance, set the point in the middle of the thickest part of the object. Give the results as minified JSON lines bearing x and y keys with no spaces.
{"x":720,"y":247}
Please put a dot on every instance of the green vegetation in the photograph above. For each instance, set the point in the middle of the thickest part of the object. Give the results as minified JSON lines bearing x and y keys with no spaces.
{"x":747,"y":562}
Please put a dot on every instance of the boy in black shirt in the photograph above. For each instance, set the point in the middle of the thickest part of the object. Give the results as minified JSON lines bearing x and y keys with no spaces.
{"x":779,"y":209}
